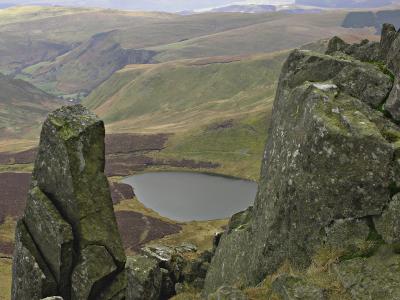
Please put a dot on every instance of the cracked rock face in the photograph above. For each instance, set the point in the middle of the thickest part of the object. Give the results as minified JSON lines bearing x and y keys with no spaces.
{"x":68,"y":242}
{"x":329,"y":169}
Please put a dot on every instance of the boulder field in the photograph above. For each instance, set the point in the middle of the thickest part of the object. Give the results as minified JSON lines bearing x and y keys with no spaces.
{"x":330,"y":182}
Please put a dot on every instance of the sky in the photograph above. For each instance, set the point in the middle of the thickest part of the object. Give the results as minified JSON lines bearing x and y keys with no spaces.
{"x":160,"y":5}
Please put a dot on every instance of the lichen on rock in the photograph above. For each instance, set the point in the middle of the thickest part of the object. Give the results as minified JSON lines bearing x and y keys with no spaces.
{"x":328,"y":169}
{"x":69,"y":223}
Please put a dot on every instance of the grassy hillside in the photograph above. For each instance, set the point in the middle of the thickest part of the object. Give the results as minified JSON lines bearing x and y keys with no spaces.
{"x":22,"y":109}
{"x":85,"y":67}
{"x":274,"y":34}
{"x":70,"y":51}
{"x":216,"y":108}
{"x":30,"y":35}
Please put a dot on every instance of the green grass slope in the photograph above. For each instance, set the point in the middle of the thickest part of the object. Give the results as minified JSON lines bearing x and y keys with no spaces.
{"x":85,"y":67}
{"x":217,"y":108}
{"x":30,"y":35}
{"x":23,"y":108}
{"x":173,"y":37}
{"x":280,"y":32}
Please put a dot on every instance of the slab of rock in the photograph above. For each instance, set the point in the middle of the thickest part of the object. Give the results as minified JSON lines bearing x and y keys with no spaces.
{"x":52,"y":234}
{"x":392,"y":104}
{"x":144,"y":278}
{"x":32,"y":278}
{"x":365,"y":51}
{"x":295,"y":288}
{"x":371,"y":278}
{"x":347,"y":233}
{"x":329,"y":157}
{"x":70,"y":168}
{"x":388,"y":224}
{"x":95,"y":264}
{"x":69,"y":224}
{"x":228,"y":293}
{"x":389,"y":34}
{"x":365,"y":83}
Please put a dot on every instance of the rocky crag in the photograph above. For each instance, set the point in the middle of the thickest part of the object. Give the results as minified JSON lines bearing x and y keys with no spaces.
{"x":67,"y":243}
{"x":329,"y":179}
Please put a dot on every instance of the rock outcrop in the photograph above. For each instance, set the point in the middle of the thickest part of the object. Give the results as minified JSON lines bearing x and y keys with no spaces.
{"x":67,"y":243}
{"x":329,"y":178}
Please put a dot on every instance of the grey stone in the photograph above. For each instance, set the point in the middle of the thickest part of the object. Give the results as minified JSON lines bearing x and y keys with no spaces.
{"x":240,"y":220}
{"x":160,"y":252}
{"x":336,"y":44}
{"x":70,"y":168}
{"x":53,"y":236}
{"x":388,"y":224}
{"x":374,"y":278}
{"x":228,"y":293}
{"x":295,"y":288}
{"x":68,"y":242}
{"x":95,"y":264}
{"x":32,"y":280}
{"x":328,"y":157}
{"x":167,"y":285}
{"x":347,"y":234}
{"x":392,"y":104}
{"x":365,"y":51}
{"x":144,"y":278}
{"x":389,"y":34}
{"x":365,"y":83}
{"x":186,"y":247}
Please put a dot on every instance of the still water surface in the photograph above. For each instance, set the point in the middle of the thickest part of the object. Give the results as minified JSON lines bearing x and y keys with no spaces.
{"x":186,"y":196}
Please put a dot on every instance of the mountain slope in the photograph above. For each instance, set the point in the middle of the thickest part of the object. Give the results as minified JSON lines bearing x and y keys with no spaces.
{"x":171,"y":96}
{"x":22,"y":108}
{"x":86,"y":66}
{"x":29,"y":35}
{"x":215,"y":108}
{"x":279,"y":31}
{"x":345,"y":3}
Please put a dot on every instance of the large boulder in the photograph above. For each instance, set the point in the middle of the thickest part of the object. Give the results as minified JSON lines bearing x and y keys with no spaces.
{"x":365,"y":51}
{"x":144,"y":278}
{"x":295,"y":288}
{"x":69,"y":226}
{"x":328,"y":170}
{"x":376,"y":277}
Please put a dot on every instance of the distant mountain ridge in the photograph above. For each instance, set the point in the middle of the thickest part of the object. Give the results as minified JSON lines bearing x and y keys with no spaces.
{"x":345,"y":3}
{"x":251,"y":8}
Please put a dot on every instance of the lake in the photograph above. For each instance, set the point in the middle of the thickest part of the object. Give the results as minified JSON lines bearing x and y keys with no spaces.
{"x":183,"y":196}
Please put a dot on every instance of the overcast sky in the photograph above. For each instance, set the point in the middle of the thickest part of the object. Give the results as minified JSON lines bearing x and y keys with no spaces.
{"x":160,"y":5}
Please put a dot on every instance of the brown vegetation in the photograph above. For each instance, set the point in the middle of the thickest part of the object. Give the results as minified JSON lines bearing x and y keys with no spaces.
{"x":137,"y":229}
{"x":24,"y":157}
{"x":14,"y":188}
{"x":120,"y":192}
{"x":128,"y":143}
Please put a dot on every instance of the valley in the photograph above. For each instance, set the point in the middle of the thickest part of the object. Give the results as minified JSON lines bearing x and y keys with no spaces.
{"x":177,"y":93}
